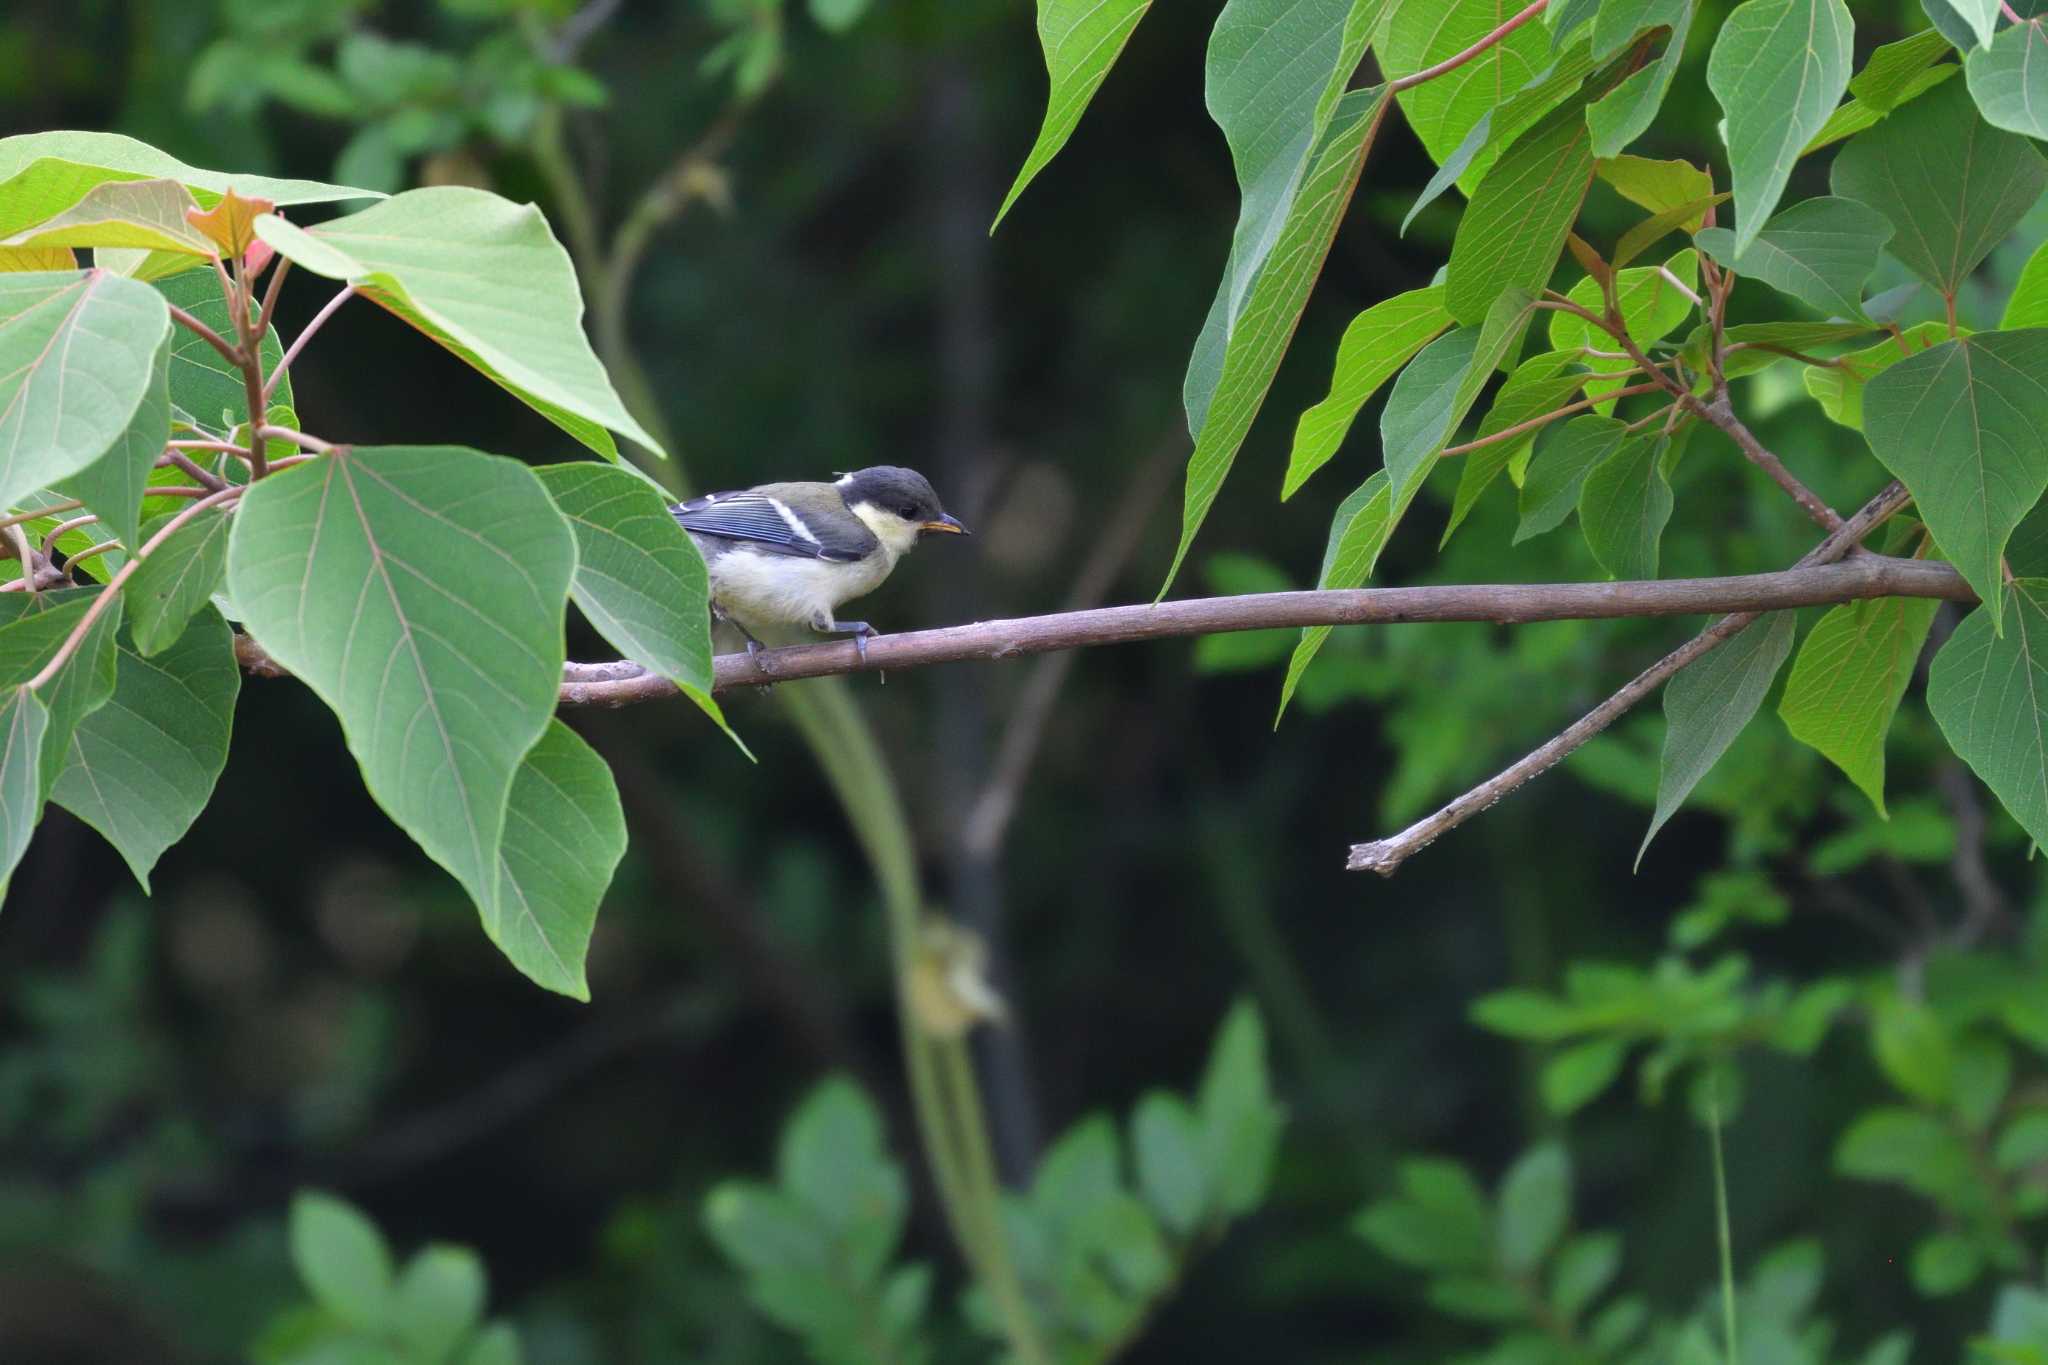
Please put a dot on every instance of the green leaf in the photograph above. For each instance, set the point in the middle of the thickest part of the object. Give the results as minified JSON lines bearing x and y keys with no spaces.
{"x":2028,"y":305}
{"x":639,"y":577}
{"x":1564,"y":456}
{"x":1887,"y":78}
{"x":1820,"y":251}
{"x":1257,"y":334}
{"x":177,"y":580}
{"x":1989,"y":694}
{"x":485,"y":278}
{"x":1912,"y":1047}
{"x":564,"y":836}
{"x":24,"y":723}
{"x":1584,"y":1269}
{"x":1527,"y":1014}
{"x":1514,"y":229}
{"x":1538,"y":386}
{"x":1241,"y":1121}
{"x":1847,"y":682}
{"x":1444,"y":111}
{"x":141,"y":768}
{"x":1477,"y":1298}
{"x":834,"y":1160}
{"x":116,"y":157}
{"x":438,"y":1302}
{"x":205,"y":388}
{"x":1980,"y":1079}
{"x":1658,"y":186}
{"x":1855,"y":116}
{"x":1980,"y":16}
{"x":1357,"y":535}
{"x":1579,"y":1075}
{"x":2009,"y":79}
{"x":1778,"y":68}
{"x":1946,"y":1263}
{"x":1626,"y":112}
{"x":77,"y":363}
{"x":1378,"y":343}
{"x":1949,"y":210}
{"x":343,"y":1259}
{"x":36,"y":627}
{"x":139,"y":215}
{"x":1625,"y":502}
{"x":1965,"y":427}
{"x":1839,"y":387}
{"x":111,"y":487}
{"x":1082,"y":40}
{"x":1166,"y":1140}
{"x":1440,"y":1222}
{"x":1652,"y":304}
{"x":418,"y":590}
{"x":1906,"y":1146}
{"x":1707,"y":705}
{"x":1535,"y":1203}
{"x":2024,"y":1142}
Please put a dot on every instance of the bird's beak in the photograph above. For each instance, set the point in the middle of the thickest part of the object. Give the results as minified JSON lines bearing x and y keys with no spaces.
{"x":947,"y":524}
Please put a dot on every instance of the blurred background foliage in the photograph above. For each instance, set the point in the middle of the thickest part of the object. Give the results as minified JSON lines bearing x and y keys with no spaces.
{"x":306,"y":1004}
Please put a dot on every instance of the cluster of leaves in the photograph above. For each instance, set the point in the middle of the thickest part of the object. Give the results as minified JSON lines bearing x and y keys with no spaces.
{"x":419,"y":591}
{"x":411,"y":99}
{"x":1525,"y":117}
{"x":1509,"y":1264}
{"x":1097,"y":1244}
{"x":367,"y":1311}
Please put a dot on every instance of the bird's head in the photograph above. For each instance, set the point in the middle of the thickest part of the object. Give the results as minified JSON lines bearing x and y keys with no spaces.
{"x":897,"y":504}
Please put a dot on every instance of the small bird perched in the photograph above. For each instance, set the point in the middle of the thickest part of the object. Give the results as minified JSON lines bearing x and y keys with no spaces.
{"x":793,"y":553}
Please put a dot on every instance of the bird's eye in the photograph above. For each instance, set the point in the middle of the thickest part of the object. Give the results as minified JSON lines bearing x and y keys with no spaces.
{"x":909,"y":511}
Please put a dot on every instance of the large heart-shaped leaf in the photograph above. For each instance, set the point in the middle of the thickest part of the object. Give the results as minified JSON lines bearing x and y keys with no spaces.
{"x":111,"y":487}
{"x":1707,"y":706}
{"x":1839,"y":387}
{"x":1988,"y":691}
{"x":1848,"y":679}
{"x":1376,"y":345}
{"x":639,"y":577}
{"x":485,"y":278}
{"x":2009,"y":79}
{"x":1820,"y":251}
{"x":1965,"y":427}
{"x":1082,"y":40}
{"x":1951,"y":184}
{"x":1778,"y":68}
{"x":116,"y":157}
{"x":419,"y":591}
{"x":564,"y":836}
{"x":77,"y":358}
{"x":141,"y":768}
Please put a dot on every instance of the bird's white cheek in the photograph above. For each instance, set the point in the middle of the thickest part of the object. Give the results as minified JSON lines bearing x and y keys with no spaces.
{"x":896,"y":534}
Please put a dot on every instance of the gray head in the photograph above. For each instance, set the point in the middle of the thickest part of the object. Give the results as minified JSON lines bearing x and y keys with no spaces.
{"x":898,"y":494}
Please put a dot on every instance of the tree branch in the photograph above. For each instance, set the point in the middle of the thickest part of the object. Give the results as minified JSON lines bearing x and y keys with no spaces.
{"x":1385,"y":856}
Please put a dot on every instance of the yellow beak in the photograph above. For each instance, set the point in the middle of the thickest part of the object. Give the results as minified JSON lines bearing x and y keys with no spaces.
{"x":944,"y":523}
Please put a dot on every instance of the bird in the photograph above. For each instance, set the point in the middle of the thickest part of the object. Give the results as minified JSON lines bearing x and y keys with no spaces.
{"x":783,"y":554}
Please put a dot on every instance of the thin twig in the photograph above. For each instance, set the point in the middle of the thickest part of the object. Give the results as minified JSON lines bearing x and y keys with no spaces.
{"x":50,"y":536}
{"x":1478,"y":49}
{"x":297,"y":438}
{"x":1813,"y":582}
{"x":108,"y":593}
{"x":211,"y":481}
{"x":18,"y":539}
{"x":1385,"y":856}
{"x":225,"y":447}
{"x":306,"y":334}
{"x":269,"y":310}
{"x":1721,"y":413}
{"x":205,"y":334}
{"x":1509,"y":433}
{"x":69,"y":505}
{"x":250,"y":364}
{"x":89,"y":552}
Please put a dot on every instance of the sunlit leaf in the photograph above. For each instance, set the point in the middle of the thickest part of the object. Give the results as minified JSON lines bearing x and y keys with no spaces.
{"x":1989,"y":694}
{"x":1378,"y":343}
{"x":1443,"y":111}
{"x":1658,"y":186}
{"x":1653,"y":302}
{"x":1626,"y":112}
{"x":1082,"y":40}
{"x":1846,"y":683}
{"x":141,"y":215}
{"x":1514,"y":229}
{"x":1539,"y":385}
{"x":1820,"y":251}
{"x":1778,"y":69}
{"x":1889,"y":76}
{"x":110,"y":156}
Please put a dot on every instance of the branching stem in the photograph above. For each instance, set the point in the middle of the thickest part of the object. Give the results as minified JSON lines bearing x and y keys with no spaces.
{"x":205,"y":334}
{"x":306,"y":334}
{"x":1580,"y":405}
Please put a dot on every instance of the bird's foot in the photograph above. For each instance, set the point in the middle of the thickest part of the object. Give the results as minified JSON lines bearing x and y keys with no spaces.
{"x":859,"y":630}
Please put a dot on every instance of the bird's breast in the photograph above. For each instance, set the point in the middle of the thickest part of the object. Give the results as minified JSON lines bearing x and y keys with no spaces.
{"x":758,"y":587}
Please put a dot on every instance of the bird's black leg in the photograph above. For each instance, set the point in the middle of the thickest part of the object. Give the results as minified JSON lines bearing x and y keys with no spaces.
{"x":754,"y":646}
{"x":859,"y":630}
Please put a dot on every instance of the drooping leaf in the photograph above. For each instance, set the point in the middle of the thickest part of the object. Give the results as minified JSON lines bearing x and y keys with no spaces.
{"x":1965,"y":427}
{"x":1625,"y":113}
{"x":36,"y":627}
{"x":564,"y":836}
{"x":1082,"y":40}
{"x":1514,"y":229}
{"x":111,"y":487}
{"x":485,"y":278}
{"x":1564,"y":456}
{"x":205,"y":389}
{"x":1658,"y":186}
{"x":1625,"y":503}
{"x":1357,"y":535}
{"x":140,"y":215}
{"x":419,"y":592}
{"x":1989,"y":694}
{"x":1258,"y":336}
{"x":141,"y":768}
{"x":2009,"y":79}
{"x":1846,"y":683}
{"x":77,"y":360}
{"x":1443,"y":111}
{"x":1539,"y":385}
{"x":1535,"y":1206}
{"x":343,"y":1259}
{"x":1948,"y":209}
{"x":1854,"y":116}
{"x":113,"y":156}
{"x":1889,"y":75}
{"x":23,"y":725}
{"x":1707,"y":705}
{"x":1839,"y":387}
{"x":1820,"y":251}
{"x":1778,"y":69}
{"x":1378,"y":343}
{"x":639,"y":577}
{"x":177,"y":579}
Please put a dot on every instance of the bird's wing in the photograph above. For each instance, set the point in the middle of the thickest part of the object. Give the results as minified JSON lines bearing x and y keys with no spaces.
{"x":767,"y":523}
